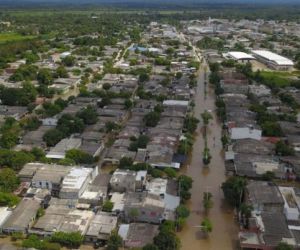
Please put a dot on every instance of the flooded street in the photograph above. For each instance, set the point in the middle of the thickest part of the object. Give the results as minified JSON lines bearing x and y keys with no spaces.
{"x":208,"y":179}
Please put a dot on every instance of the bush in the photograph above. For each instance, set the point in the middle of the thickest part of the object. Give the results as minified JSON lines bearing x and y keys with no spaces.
{"x":7,"y":199}
{"x":73,"y":239}
{"x":170,"y":172}
{"x":151,"y":119}
{"x":52,"y":137}
{"x":79,"y":157}
{"x":107,"y":206}
{"x":182,"y":211}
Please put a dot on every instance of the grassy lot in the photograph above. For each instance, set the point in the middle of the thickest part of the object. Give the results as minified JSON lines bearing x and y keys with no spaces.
{"x":280,"y":78}
{"x":13,"y":37}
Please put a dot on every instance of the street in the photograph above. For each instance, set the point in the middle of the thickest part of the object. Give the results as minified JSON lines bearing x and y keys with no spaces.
{"x":207,"y":179}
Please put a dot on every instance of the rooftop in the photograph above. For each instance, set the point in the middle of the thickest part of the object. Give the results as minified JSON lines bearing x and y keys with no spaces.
{"x":279,"y":60}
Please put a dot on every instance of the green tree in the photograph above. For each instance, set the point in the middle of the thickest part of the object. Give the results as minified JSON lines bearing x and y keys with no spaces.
{"x":167,"y":240}
{"x":79,"y":156}
{"x":284,"y":246}
{"x":107,"y":206}
{"x":133,"y":214}
{"x":8,"y":180}
{"x":7,"y":199}
{"x":206,"y":117}
{"x":185,"y":184}
{"x":68,"y":61}
{"x":170,"y":172}
{"x":111,"y":126}
{"x":182,"y":211}
{"x":151,"y":119}
{"x":206,"y":226}
{"x":45,"y":77}
{"x":125,"y":163}
{"x":207,"y":202}
{"x":114,"y":241}
{"x":128,"y":104}
{"x":88,"y":115}
{"x":144,"y":77}
{"x":233,"y":189}
{"x":61,"y":72}
{"x":9,"y":139}
{"x":69,"y":124}
{"x":52,"y":137}
{"x":150,"y":247}
{"x":190,"y":124}
{"x":73,"y":239}
{"x":283,"y":149}
{"x":246,"y":211}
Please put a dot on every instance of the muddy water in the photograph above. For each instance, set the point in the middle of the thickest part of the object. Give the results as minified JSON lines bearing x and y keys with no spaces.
{"x":208,"y":179}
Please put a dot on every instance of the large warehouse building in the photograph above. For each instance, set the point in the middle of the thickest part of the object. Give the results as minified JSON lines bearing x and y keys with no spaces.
{"x":240,"y":57}
{"x":273,"y":60}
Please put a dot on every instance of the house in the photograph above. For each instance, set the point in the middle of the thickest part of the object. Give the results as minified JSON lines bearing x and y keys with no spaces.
{"x":45,"y":176}
{"x":161,"y":187}
{"x":264,"y":197}
{"x":22,"y":217}
{"x":62,"y":215}
{"x":16,"y":112}
{"x":60,"y":149}
{"x":76,"y":181}
{"x":266,"y":232}
{"x":137,"y":235}
{"x":101,"y":227}
{"x":5,"y":213}
{"x":291,"y":203}
{"x":35,"y":138}
{"x":144,"y":207}
{"x":259,"y":90}
{"x":128,"y":181}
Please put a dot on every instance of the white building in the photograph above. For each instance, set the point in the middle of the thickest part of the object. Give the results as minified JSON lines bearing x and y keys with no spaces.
{"x":291,"y":203}
{"x":76,"y":182}
{"x":240,"y":57}
{"x":245,"y":133}
{"x":272,"y":60}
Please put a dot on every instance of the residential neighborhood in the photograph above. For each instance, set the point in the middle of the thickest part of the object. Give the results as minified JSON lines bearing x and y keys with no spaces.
{"x":153,"y":135}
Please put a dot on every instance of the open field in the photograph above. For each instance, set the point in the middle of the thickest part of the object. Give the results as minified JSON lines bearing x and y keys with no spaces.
{"x":12,"y":37}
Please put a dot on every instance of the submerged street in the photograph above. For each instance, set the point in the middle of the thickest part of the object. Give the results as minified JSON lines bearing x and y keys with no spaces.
{"x":207,"y":179}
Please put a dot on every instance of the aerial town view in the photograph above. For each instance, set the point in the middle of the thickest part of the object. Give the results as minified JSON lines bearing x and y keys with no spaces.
{"x":149,"y":125}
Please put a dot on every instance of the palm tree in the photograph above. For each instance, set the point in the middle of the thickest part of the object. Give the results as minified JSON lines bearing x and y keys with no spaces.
{"x":206,"y":154}
{"x":206,"y":226}
{"x":206,"y":117}
{"x":245,"y":211}
{"x":207,"y":202}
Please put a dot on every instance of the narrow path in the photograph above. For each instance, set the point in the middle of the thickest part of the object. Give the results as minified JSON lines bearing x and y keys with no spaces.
{"x":208,"y":179}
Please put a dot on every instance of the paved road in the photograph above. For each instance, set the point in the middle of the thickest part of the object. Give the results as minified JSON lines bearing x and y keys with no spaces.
{"x":207,"y":179}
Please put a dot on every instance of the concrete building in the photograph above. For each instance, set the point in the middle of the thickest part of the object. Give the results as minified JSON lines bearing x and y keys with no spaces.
{"x":45,"y":176}
{"x":240,"y":57}
{"x":101,"y":227}
{"x":128,"y":181}
{"x":137,"y":235}
{"x":76,"y":181}
{"x":5,"y":213}
{"x":272,"y":60}
{"x":144,"y":207}
{"x":264,"y":197}
{"x":62,"y":215}
{"x":22,"y":217}
{"x":60,"y":149}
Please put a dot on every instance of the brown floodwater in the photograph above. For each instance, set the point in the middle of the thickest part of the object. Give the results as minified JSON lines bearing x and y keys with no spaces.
{"x":208,"y":179}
